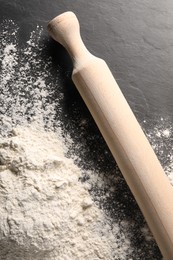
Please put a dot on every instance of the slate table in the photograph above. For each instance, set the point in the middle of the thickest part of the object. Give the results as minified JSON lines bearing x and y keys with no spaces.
{"x":136,"y":40}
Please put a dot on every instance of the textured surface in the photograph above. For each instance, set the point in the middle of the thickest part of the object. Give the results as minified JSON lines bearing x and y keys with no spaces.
{"x":135,"y":38}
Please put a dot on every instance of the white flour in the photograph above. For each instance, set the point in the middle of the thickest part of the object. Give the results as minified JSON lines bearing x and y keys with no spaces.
{"x":46,"y":211}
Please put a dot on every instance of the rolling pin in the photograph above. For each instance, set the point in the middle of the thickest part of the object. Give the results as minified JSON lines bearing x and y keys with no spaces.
{"x":121,"y":131}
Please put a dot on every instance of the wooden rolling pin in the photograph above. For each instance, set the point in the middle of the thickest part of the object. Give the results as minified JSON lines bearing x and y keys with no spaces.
{"x":121,"y":131}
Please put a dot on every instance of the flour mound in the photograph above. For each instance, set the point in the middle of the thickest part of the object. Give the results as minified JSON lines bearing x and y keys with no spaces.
{"x":46,"y":213}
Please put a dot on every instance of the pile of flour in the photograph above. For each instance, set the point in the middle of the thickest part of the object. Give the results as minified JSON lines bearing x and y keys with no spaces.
{"x":46,"y":213}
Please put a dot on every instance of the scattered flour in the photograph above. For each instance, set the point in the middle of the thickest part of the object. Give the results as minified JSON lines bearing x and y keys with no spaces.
{"x":161,"y":139}
{"x":46,"y":212}
{"x":51,"y":208}
{"x":25,"y":93}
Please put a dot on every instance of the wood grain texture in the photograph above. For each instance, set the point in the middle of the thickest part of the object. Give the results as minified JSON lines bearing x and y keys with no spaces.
{"x":120,"y":129}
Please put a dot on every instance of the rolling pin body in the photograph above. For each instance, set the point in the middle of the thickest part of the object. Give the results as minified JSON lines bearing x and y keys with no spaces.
{"x":121,"y":131}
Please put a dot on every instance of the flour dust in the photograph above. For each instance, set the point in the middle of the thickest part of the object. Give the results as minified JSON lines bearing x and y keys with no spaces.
{"x":26,"y":92}
{"x":50,"y":207}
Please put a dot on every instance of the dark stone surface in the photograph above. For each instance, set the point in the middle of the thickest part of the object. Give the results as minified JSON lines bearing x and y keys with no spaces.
{"x":135,"y":38}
